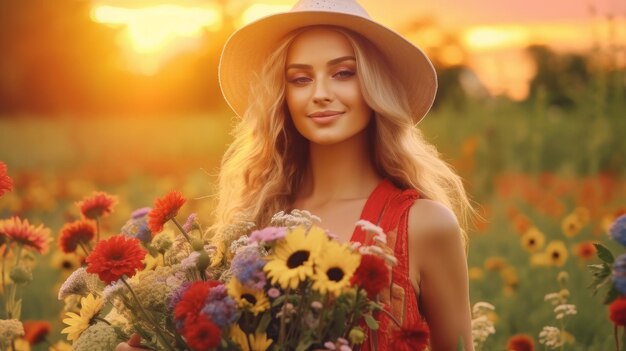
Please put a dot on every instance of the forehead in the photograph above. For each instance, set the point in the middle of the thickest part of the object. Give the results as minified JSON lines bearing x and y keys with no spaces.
{"x":319,"y":43}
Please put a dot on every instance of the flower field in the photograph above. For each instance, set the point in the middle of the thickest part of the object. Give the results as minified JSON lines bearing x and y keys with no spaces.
{"x":548,"y":183}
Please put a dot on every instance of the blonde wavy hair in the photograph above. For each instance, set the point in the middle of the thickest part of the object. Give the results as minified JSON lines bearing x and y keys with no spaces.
{"x":265,"y":163}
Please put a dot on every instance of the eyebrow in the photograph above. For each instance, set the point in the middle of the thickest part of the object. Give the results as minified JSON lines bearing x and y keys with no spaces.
{"x":329,"y":63}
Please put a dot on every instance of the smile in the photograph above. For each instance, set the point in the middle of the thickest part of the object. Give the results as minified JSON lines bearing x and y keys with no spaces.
{"x":325,"y":117}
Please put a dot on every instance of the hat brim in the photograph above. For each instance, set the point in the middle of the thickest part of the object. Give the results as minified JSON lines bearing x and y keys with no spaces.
{"x":247,"y":49}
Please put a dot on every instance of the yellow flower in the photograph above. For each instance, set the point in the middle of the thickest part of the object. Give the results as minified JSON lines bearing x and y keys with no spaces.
{"x":78,"y":323}
{"x":509,"y":276}
{"x":556,"y":253}
{"x":254,"y":342}
{"x":540,"y":259}
{"x":252,"y":299}
{"x":533,"y":240}
{"x":22,"y":345}
{"x":292,"y":259}
{"x":60,"y":346}
{"x":476,"y":273}
{"x":152,"y":262}
{"x":66,"y":263}
{"x":334,"y":269}
{"x":571,"y":225}
{"x":495,"y":263}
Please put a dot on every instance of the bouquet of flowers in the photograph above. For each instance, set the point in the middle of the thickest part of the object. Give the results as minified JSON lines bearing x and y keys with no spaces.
{"x":289,"y":286}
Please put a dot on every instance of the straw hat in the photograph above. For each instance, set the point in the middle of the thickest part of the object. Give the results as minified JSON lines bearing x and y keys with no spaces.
{"x":247,"y":49}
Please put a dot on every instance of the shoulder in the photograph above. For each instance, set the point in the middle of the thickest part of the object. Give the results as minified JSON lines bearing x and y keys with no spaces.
{"x":433,"y":230}
{"x":428,"y":218}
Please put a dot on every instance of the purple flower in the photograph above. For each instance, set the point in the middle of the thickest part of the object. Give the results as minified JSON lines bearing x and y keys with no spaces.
{"x":140,"y":212}
{"x":177,"y":295}
{"x":137,"y":227}
{"x":618,"y":230}
{"x":619,"y":274}
{"x":247,"y":266}
{"x":268,"y":234}
{"x":220,"y":308}
{"x":190,"y":222}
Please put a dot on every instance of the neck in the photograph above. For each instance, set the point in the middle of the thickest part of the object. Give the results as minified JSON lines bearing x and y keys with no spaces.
{"x":341,"y":171}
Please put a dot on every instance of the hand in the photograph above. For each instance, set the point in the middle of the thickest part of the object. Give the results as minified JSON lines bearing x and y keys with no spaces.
{"x":133,"y":344}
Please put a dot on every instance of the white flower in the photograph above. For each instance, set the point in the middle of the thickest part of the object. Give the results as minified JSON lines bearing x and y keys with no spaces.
{"x":482,"y":327}
{"x":564,"y":310}
{"x":482,"y":308}
{"x":368,"y":226}
{"x":79,"y":283}
{"x":554,"y":298}
{"x":551,"y":337}
{"x":10,"y":329}
{"x":111,"y":290}
{"x":294,"y":219}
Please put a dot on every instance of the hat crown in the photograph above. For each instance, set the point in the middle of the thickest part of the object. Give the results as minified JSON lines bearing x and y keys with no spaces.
{"x":344,"y":6}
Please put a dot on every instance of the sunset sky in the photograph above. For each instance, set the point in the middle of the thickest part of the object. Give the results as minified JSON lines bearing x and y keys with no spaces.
{"x":494,"y":32}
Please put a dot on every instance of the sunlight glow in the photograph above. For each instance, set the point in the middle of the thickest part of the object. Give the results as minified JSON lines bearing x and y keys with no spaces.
{"x":257,"y":11}
{"x":485,"y":38}
{"x":154,"y":33}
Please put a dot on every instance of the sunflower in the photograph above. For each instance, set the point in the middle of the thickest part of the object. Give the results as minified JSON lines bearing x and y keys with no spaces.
{"x":495,"y":263}
{"x":78,"y":323}
{"x":583,"y":214}
{"x":251,"y":342}
{"x":571,"y":225}
{"x":335,"y":268}
{"x":66,"y":263}
{"x":556,"y":253}
{"x":533,"y":240}
{"x":292,"y":259}
{"x":251,"y":299}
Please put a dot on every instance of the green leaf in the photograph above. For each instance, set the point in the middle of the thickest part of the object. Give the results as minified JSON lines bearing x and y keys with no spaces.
{"x":604,"y":253}
{"x":611,"y":295}
{"x":371,"y":322}
{"x":264,"y":322}
{"x":278,"y":300}
{"x":303,"y":345}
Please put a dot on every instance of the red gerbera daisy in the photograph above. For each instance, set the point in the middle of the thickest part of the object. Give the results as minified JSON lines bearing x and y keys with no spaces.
{"x":202,"y":335}
{"x":164,"y":209}
{"x":23,"y":233}
{"x":97,"y":205}
{"x":74,"y":234}
{"x":191,"y":303}
{"x":372,"y":275}
{"x":36,"y":331}
{"x":411,"y":338}
{"x":520,"y":342}
{"x":115,"y":257}
{"x":617,"y":311}
{"x":6,"y":183}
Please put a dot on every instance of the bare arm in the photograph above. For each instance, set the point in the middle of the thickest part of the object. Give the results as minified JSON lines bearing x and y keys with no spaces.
{"x":438,"y":252}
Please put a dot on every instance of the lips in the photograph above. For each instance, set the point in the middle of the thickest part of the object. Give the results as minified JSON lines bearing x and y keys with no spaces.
{"x":325,"y":114}
{"x":325,"y":117}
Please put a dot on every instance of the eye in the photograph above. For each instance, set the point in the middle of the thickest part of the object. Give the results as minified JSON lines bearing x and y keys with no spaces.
{"x":343,"y":74}
{"x":299,"y":80}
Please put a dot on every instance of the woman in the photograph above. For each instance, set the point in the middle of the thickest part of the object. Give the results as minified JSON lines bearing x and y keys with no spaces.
{"x":328,"y":125}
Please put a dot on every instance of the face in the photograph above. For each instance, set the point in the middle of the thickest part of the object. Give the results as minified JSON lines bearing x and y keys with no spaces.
{"x":323,"y":92}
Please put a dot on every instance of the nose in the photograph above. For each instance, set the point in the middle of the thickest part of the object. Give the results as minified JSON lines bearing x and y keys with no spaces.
{"x":322,"y":93}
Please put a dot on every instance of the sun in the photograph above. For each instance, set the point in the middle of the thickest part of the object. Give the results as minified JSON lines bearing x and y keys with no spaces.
{"x":153,"y":34}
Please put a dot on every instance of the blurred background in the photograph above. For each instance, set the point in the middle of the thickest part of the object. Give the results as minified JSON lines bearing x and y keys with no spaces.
{"x":122,"y":96}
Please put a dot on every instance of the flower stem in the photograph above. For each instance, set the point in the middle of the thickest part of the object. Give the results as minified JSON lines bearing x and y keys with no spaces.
{"x":182,"y":230}
{"x":82,"y":246}
{"x":97,"y":229}
{"x":615,"y":331}
{"x":281,"y":333}
{"x":157,"y":329}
